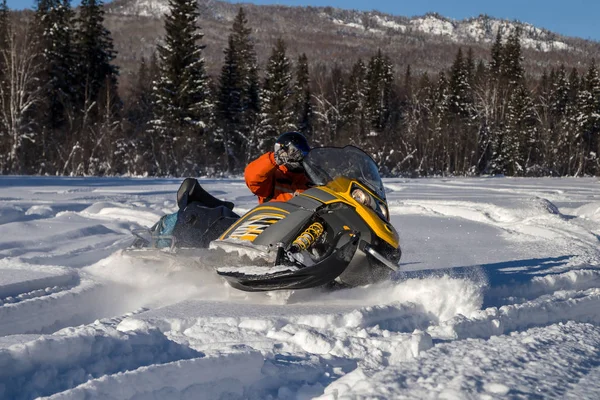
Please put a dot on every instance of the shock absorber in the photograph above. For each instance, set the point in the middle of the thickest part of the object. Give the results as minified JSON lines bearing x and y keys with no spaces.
{"x":308,"y":237}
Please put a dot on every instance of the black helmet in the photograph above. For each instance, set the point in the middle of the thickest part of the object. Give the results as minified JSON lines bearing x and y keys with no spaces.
{"x":296,"y":139}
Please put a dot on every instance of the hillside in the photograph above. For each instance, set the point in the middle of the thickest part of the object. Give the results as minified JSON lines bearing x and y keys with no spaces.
{"x":329,"y":36}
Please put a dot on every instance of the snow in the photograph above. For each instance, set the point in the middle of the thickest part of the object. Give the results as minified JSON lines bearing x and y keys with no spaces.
{"x":389,"y":24}
{"x":145,"y":8}
{"x":254,"y":270}
{"x":481,"y":29}
{"x":433,"y":25}
{"x":498,"y":296}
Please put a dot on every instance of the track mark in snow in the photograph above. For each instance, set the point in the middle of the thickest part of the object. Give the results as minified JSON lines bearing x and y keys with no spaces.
{"x":16,"y":248}
{"x":46,"y":298}
{"x":538,"y":363}
{"x":562,"y":306}
{"x":47,"y":313}
{"x":533,"y":220}
{"x":33,"y":294}
{"x":19,"y":278}
{"x":520,"y":291}
{"x":54,"y":363}
{"x":230,"y":376}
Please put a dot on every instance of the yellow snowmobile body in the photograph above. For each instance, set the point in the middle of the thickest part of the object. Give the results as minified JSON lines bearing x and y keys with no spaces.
{"x":338,"y":230}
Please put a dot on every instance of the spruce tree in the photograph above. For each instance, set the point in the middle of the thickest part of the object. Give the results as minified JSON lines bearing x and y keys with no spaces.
{"x":516,"y":150}
{"x":98,"y":98}
{"x":276,"y":99}
{"x":460,"y":115}
{"x":561,"y":107}
{"x":55,"y":22}
{"x":238,"y":96}
{"x":460,"y":88}
{"x":508,"y":79}
{"x":302,"y":97}
{"x":497,"y":56}
{"x":380,"y":78}
{"x":96,"y":53}
{"x":353,"y":107}
{"x":559,"y":92}
{"x":55,"y":19}
{"x":588,"y":124}
{"x":182,"y":104}
{"x":512,"y":59}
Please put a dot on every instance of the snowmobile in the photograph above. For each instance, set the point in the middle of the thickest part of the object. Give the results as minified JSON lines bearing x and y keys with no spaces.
{"x":336,"y":232}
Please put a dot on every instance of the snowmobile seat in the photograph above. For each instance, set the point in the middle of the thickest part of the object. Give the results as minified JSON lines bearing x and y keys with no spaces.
{"x":191,"y":191}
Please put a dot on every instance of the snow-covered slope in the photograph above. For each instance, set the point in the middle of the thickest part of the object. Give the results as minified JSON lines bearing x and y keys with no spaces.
{"x":498,"y":297}
{"x":480,"y":29}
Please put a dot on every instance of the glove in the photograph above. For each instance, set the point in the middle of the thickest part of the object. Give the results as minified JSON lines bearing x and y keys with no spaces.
{"x":289,"y":156}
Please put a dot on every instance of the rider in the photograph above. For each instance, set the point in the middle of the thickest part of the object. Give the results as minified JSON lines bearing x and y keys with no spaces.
{"x":278,"y":175}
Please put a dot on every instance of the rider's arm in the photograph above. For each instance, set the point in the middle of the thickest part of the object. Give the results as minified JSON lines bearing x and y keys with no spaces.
{"x":259,"y":175}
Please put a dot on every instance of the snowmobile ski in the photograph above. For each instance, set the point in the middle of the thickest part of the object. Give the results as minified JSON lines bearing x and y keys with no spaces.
{"x":290,"y":277}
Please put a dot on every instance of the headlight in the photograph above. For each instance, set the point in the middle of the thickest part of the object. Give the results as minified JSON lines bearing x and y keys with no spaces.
{"x":384,"y":211}
{"x":363,"y":198}
{"x":366,"y":199}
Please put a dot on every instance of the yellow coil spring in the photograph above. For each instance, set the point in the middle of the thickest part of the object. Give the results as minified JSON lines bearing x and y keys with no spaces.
{"x":308,"y":237}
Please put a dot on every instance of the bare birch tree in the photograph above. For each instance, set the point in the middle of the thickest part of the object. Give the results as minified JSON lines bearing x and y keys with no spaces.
{"x":19,"y":92}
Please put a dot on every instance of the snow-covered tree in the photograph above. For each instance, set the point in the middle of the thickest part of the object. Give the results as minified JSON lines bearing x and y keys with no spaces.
{"x":460,"y":101}
{"x":497,"y":56}
{"x":566,"y":148}
{"x":303,"y":97}
{"x":19,"y":96}
{"x":276,"y":99}
{"x":380,"y":78}
{"x":238,"y":96}
{"x":96,"y":76}
{"x":512,"y":60}
{"x":461,"y":124}
{"x":96,"y":53}
{"x":183,"y":110}
{"x":353,"y":108}
{"x":517,"y":147}
{"x":55,"y":27}
{"x":588,"y":123}
{"x":55,"y":20}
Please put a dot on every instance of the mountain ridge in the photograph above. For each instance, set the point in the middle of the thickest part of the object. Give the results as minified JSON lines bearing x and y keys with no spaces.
{"x":333,"y":36}
{"x":482,"y":27}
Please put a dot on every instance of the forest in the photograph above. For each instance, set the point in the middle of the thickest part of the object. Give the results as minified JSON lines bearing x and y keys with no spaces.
{"x":62,"y":111}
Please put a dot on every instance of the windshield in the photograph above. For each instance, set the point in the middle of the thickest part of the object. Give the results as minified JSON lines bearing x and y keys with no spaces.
{"x":324,"y":164}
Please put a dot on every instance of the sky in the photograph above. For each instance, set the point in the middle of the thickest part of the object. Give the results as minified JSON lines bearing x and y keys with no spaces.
{"x":568,"y":17}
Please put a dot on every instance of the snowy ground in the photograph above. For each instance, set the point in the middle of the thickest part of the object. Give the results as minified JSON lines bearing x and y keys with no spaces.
{"x":499,"y":297}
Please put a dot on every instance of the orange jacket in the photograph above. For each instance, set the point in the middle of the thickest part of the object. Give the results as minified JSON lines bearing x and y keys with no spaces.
{"x":270,"y":181}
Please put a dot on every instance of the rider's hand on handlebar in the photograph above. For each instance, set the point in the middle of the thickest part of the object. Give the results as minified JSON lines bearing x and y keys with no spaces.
{"x":288,"y":156}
